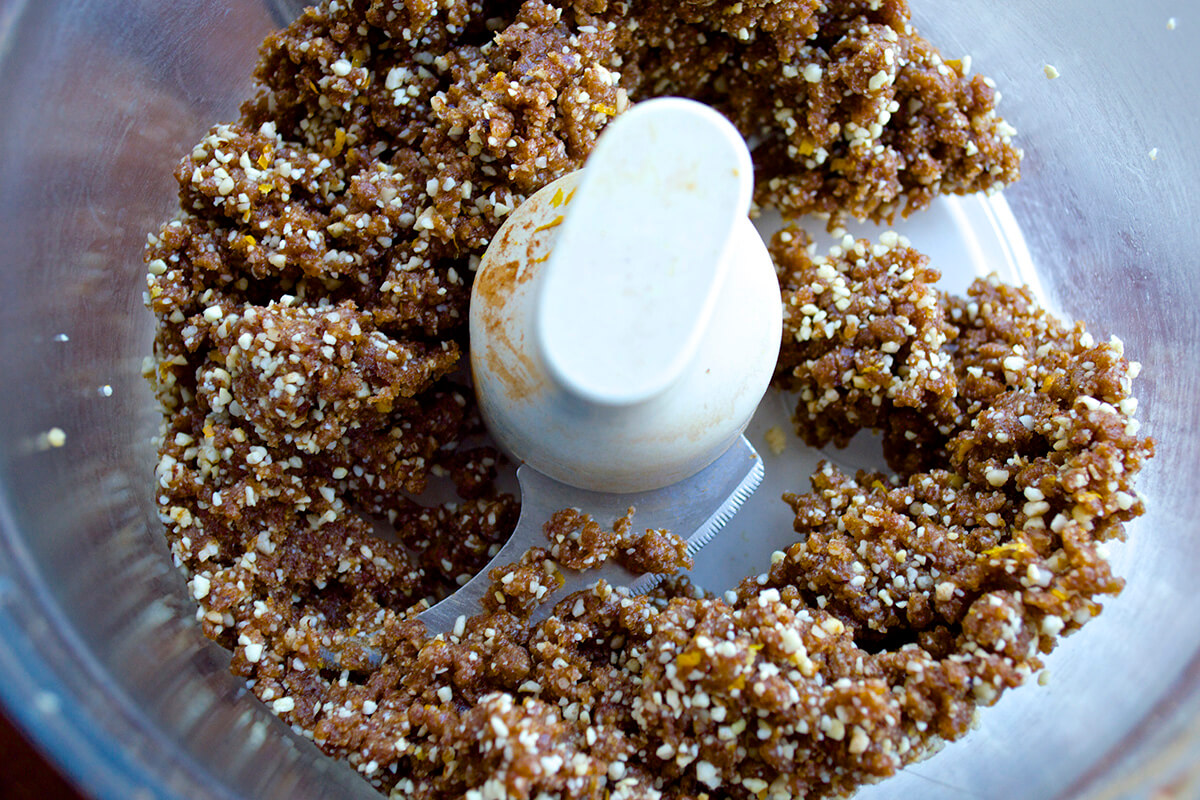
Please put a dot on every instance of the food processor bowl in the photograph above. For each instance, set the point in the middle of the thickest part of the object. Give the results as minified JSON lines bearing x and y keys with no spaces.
{"x":101,"y":661}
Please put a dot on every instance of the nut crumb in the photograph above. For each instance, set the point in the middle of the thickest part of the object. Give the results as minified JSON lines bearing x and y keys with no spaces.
{"x":776,"y":440}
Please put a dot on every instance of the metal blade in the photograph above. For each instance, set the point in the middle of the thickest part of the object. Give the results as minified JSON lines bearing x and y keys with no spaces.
{"x":696,"y":508}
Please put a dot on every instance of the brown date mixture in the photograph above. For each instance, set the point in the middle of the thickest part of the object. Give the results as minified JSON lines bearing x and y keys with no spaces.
{"x":311,"y":297}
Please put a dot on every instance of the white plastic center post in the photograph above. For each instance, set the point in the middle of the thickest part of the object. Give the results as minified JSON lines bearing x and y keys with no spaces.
{"x":626,"y":319}
{"x":634,"y":275}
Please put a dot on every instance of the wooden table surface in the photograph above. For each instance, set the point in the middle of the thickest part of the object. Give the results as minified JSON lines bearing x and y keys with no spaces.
{"x":24,"y":774}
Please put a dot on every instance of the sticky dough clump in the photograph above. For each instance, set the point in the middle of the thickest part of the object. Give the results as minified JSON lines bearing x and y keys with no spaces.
{"x":310,"y":299}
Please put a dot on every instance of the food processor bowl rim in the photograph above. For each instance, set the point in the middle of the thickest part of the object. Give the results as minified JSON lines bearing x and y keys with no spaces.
{"x":46,"y":671}
{"x":43,"y":703}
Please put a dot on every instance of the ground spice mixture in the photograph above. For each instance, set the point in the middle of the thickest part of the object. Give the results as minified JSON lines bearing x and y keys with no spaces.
{"x":311,"y":297}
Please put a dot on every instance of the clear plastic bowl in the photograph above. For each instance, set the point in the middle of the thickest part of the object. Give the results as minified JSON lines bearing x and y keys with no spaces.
{"x":100,"y":661}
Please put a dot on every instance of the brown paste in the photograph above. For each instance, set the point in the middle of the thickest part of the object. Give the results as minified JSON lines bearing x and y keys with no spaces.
{"x":579,"y":542}
{"x":311,"y":299}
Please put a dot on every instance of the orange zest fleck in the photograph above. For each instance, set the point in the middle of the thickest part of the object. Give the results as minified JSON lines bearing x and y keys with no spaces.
{"x":554,"y":223}
{"x":339,"y":141}
{"x":604,"y":109}
{"x":264,"y":161}
{"x":688,"y":660}
{"x":1007,"y":548}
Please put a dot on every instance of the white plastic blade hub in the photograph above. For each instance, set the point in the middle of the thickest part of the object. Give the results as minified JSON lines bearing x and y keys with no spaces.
{"x":633,"y":278}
